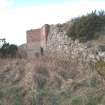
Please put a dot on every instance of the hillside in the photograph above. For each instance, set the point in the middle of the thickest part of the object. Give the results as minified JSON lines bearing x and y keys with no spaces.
{"x":51,"y":81}
{"x":81,"y":37}
{"x":71,"y":72}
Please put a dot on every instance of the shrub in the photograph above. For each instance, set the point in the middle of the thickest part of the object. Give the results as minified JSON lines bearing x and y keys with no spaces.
{"x":13,"y":50}
{"x":4,"y":50}
{"x":85,"y":28}
{"x":8,"y":50}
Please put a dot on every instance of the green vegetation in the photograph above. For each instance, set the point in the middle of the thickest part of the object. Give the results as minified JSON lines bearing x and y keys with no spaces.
{"x":12,"y":95}
{"x":87,"y":27}
{"x":8,"y":50}
{"x":100,"y":67}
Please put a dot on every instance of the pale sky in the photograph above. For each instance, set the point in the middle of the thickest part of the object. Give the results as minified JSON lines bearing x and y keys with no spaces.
{"x":17,"y":16}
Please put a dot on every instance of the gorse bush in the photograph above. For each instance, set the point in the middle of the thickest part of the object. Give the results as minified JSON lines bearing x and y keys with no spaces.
{"x":86,"y":27}
{"x":8,"y":50}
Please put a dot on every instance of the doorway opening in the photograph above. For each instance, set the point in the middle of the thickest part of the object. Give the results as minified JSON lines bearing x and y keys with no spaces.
{"x":42,"y":51}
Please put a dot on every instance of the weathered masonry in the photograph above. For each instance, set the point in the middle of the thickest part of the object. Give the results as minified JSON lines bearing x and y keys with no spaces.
{"x":36,"y":40}
{"x":52,"y":40}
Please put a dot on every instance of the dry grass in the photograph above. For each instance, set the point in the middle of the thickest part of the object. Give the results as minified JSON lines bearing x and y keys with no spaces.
{"x":50,"y":81}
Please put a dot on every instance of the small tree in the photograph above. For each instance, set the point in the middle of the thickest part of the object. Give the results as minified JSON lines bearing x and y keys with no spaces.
{"x":4,"y":50}
{"x":8,"y":50}
{"x":13,"y":50}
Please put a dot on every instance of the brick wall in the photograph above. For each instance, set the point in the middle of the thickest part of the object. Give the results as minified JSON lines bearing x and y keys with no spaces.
{"x":33,"y":35}
{"x":37,"y":39}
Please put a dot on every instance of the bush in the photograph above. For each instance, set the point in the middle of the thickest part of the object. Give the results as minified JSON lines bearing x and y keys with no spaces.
{"x":13,"y":50}
{"x":4,"y":51}
{"x":86,"y":27}
{"x":8,"y":50}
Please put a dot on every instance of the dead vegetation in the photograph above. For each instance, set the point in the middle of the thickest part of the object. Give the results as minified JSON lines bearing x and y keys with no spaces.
{"x":50,"y":81}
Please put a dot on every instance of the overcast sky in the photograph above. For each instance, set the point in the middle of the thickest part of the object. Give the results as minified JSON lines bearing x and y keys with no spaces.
{"x":17,"y":16}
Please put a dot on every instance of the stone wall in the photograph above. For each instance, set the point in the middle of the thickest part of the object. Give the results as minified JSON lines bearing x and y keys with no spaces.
{"x":52,"y":40}
{"x":59,"y":44}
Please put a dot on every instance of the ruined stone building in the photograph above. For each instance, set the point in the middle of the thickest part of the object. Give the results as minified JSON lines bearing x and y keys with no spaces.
{"x":36,"y":40}
{"x":52,"y":40}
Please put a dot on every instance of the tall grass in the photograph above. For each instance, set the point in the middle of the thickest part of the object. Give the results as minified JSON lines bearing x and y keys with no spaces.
{"x":51,"y":81}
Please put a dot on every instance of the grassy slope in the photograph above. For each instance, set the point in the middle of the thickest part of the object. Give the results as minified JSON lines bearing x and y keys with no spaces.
{"x":50,"y":81}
